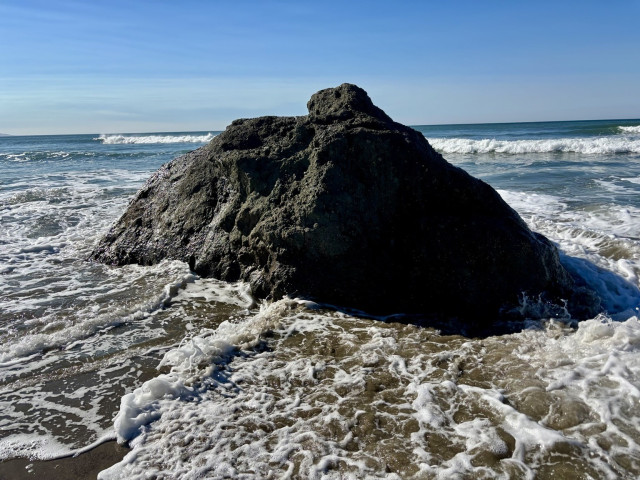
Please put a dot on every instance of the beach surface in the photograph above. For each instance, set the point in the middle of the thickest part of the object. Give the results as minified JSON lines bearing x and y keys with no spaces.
{"x":87,"y":465}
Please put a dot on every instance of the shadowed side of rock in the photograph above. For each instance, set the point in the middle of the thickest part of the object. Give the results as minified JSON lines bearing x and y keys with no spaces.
{"x":344,"y":206}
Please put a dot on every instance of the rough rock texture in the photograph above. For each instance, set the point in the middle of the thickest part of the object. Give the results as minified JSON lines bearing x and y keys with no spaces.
{"x":344,"y":206}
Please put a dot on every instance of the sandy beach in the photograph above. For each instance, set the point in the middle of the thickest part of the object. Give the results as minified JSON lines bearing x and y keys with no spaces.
{"x":84,"y":466}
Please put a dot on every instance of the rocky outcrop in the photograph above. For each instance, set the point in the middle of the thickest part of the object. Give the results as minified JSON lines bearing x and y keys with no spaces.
{"x":344,"y":206}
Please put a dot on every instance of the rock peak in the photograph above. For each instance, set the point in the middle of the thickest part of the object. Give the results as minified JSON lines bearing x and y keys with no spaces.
{"x":342,"y":103}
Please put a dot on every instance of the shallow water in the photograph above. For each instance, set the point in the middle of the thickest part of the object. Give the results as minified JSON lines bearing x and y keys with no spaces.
{"x":201,"y":382}
{"x":321,"y":394}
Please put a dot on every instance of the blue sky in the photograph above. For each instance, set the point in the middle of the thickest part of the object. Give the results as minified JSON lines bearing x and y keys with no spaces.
{"x":142,"y":66}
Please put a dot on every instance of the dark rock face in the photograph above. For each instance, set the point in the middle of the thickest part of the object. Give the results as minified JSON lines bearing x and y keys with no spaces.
{"x":344,"y":206}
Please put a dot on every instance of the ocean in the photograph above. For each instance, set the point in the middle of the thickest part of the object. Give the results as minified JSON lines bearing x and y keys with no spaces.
{"x":203,"y":381}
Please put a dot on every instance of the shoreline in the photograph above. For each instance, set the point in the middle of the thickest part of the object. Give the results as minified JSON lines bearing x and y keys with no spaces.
{"x":85,"y":465}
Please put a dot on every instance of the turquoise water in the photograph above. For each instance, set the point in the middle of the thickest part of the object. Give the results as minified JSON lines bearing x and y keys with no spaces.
{"x":201,"y":382}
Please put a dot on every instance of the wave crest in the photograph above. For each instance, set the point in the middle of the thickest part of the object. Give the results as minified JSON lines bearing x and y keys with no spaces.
{"x":630,"y":129}
{"x":143,"y":139}
{"x":600,"y":145}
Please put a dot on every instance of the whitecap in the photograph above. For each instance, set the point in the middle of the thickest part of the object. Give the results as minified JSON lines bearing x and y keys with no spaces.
{"x":148,"y":139}
{"x":589,"y":146}
{"x":635,"y":129}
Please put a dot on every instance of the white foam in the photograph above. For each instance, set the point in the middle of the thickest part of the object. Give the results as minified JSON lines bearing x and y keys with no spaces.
{"x":212,"y":290}
{"x":300,"y":408}
{"x":148,"y":139}
{"x":95,"y":319}
{"x":40,"y":155}
{"x":601,"y":245}
{"x":17,"y":157}
{"x":630,"y":129}
{"x":43,"y":448}
{"x":193,"y":360}
{"x":105,"y":362}
{"x":549,"y":213}
{"x":537,"y":204}
{"x":599,"y":365}
{"x":590,"y":146}
{"x":635,"y":180}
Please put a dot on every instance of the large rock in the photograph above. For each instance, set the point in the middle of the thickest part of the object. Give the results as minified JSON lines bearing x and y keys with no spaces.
{"x":344,"y":206}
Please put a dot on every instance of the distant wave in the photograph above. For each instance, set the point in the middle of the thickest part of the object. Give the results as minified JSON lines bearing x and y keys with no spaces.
{"x":35,"y":155}
{"x":130,"y":139}
{"x":600,"y":145}
{"x":631,"y":129}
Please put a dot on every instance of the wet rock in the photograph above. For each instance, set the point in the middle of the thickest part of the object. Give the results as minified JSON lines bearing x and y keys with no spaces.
{"x":344,"y":206}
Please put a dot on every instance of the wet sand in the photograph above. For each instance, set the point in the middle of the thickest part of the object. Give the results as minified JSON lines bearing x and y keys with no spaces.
{"x":85,"y":466}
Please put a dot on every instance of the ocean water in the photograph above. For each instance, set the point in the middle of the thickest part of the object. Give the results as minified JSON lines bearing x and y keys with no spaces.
{"x":202,"y":381}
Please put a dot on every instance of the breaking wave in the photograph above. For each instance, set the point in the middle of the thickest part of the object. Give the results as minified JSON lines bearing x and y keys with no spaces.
{"x":600,"y":145}
{"x":630,"y":129}
{"x":144,"y":139}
